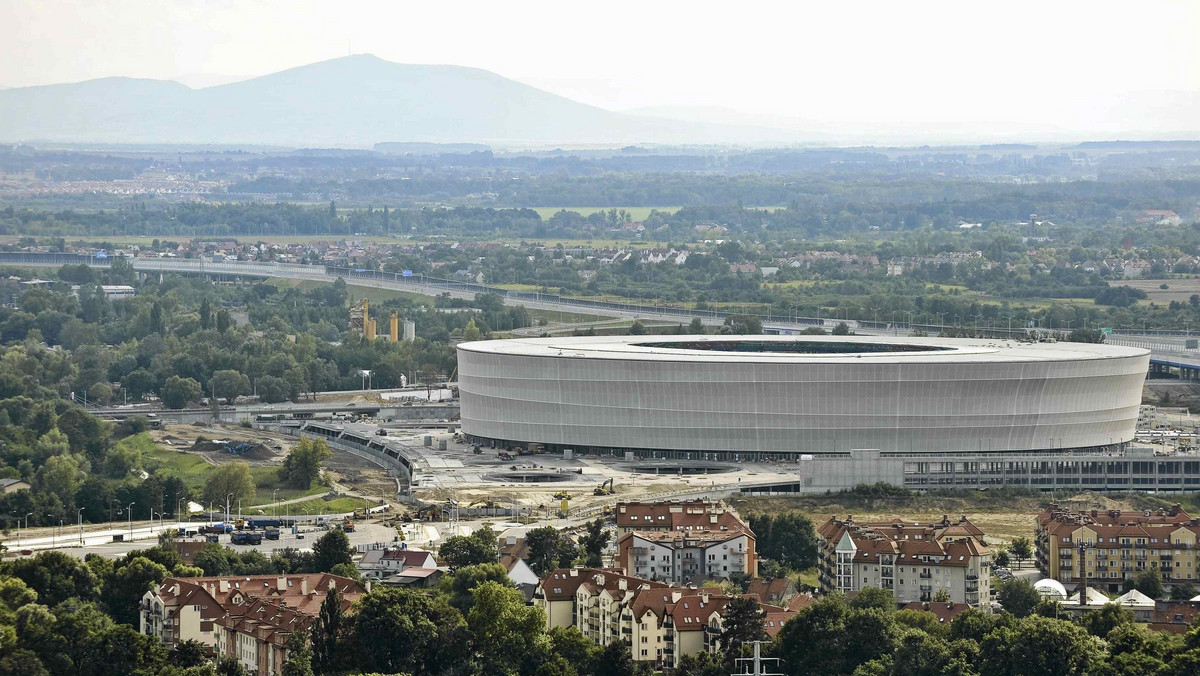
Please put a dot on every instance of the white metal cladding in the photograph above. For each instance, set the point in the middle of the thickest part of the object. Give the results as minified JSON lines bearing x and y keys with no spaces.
{"x":979,"y":395}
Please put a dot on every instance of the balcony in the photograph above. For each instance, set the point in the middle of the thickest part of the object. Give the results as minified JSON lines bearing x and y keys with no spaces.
{"x":972,"y":576}
{"x":926,"y":576}
{"x":926,"y":587}
{"x":1166,"y":557}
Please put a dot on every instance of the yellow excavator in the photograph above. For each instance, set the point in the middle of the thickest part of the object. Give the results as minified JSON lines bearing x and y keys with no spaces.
{"x":605,"y":488}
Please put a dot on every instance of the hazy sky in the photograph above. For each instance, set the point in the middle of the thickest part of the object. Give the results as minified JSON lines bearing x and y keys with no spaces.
{"x":1046,"y":62}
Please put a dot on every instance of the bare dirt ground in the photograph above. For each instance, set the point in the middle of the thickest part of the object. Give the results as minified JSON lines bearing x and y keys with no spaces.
{"x":1177,"y":289}
{"x":1002,"y":518}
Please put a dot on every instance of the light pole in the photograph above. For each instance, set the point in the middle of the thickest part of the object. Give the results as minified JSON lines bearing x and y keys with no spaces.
{"x":179,"y":512}
{"x":275,"y":503}
{"x":79,"y":519}
{"x":130,"y":510}
{"x":875,"y":316}
{"x":53,"y":534}
{"x":19,"y":527}
{"x":227,"y":499}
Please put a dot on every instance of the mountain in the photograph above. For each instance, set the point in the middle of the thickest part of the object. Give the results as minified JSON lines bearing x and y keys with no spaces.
{"x":351,"y":101}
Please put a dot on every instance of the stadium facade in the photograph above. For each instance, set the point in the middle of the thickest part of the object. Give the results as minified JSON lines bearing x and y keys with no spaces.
{"x":846,"y":409}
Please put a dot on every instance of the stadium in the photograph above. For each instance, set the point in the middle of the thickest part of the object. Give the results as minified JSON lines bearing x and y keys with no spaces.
{"x":788,"y":398}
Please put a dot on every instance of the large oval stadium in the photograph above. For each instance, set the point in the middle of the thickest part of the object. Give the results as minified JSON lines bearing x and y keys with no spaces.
{"x":775,"y":397}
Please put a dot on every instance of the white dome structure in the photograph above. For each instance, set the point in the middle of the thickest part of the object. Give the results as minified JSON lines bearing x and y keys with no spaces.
{"x":1051,"y":589}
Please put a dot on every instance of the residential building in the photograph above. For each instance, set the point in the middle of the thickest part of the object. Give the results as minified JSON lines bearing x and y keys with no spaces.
{"x":195,"y":608}
{"x":659,"y":623}
{"x":914,"y":560}
{"x":13,"y":485}
{"x":1109,"y":547}
{"x":683,"y":557}
{"x":776,"y":592}
{"x":380,"y":563}
{"x":1175,"y":617}
{"x":673,"y":515}
{"x":945,"y":612}
{"x":683,"y":542}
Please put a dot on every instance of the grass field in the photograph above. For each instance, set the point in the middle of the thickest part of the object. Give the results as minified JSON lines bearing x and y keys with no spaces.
{"x":194,"y":469}
{"x":372,"y":294}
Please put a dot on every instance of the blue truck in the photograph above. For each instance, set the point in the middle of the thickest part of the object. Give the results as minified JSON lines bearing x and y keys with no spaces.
{"x":246,"y":538}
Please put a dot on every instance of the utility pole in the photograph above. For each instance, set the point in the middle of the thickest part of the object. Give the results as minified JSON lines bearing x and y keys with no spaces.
{"x":756,"y":662}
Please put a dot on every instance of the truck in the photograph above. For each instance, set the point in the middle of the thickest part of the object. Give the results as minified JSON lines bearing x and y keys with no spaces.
{"x":271,"y":533}
{"x":264,"y":523}
{"x":246,"y":538}
{"x":348,"y":526}
{"x":217,"y":528}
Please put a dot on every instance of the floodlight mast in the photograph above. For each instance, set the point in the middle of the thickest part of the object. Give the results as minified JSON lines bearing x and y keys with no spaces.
{"x":756,"y":663}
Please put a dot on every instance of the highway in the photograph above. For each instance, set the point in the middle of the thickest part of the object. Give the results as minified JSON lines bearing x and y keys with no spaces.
{"x":1167,"y":347}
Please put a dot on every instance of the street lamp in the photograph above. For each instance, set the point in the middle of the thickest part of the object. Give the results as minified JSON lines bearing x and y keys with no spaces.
{"x":129,"y":509}
{"x":79,"y":519}
{"x":275,"y":503}
{"x":178,"y":512}
{"x":227,"y":499}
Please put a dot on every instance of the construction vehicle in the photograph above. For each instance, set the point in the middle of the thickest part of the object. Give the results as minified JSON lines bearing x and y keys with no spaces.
{"x":562,"y":495}
{"x":477,"y":450}
{"x":504,"y":455}
{"x":348,"y":526}
{"x":360,"y":514}
{"x":605,"y":488}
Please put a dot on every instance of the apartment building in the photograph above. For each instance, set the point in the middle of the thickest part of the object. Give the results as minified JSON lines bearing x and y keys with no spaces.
{"x":1109,"y":547}
{"x":683,"y":542}
{"x":198,"y":608}
{"x":912,"y":559}
{"x":683,"y":557}
{"x":659,"y":623}
{"x":654,"y":517}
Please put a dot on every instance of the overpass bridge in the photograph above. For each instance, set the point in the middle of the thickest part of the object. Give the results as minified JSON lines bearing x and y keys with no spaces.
{"x":1168,"y":347}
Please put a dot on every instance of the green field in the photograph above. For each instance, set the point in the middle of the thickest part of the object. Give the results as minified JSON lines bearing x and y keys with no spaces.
{"x":376,"y":296}
{"x":193,"y":469}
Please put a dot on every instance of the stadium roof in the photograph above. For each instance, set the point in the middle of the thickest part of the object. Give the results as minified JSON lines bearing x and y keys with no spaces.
{"x":802,"y":349}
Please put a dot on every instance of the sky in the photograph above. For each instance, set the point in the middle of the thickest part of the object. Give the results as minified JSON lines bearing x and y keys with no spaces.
{"x":1015,"y":64}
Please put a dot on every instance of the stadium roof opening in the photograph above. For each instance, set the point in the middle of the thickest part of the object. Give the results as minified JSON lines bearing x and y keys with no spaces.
{"x":792,"y":346}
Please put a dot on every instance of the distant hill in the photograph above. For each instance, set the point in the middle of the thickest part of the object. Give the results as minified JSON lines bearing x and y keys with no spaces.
{"x":351,"y":101}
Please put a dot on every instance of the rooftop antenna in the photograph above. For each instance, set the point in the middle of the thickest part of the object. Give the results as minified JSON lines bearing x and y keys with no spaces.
{"x":756,"y":663}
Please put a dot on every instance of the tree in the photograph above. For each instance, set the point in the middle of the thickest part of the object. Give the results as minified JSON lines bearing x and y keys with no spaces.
{"x":100,"y":394}
{"x":1021,"y":549}
{"x":471,"y":332}
{"x":205,"y":314}
{"x":743,"y":623}
{"x":1101,"y":622}
{"x":327,"y":631}
{"x":459,"y":586}
{"x":505,"y":631}
{"x":176,"y":392}
{"x":302,"y":466}
{"x":593,"y":542}
{"x":788,"y":538}
{"x":1001,"y":559}
{"x":637,"y":328}
{"x":546,"y":549}
{"x":942,"y":595}
{"x":400,"y":631}
{"x":230,"y":478}
{"x":1018,"y":596}
{"x":126,"y":586}
{"x":1149,"y":583}
{"x":459,"y":551}
{"x":224,"y":320}
{"x":742,"y":325}
{"x":696,"y":327}
{"x":1182,"y":591}
{"x":331,"y":549}
{"x":55,"y":577}
{"x":228,"y":384}
{"x":273,"y":390}
{"x":1039,"y":646}
{"x":842,"y":329}
{"x":299,"y":656}
{"x":874,"y":597}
